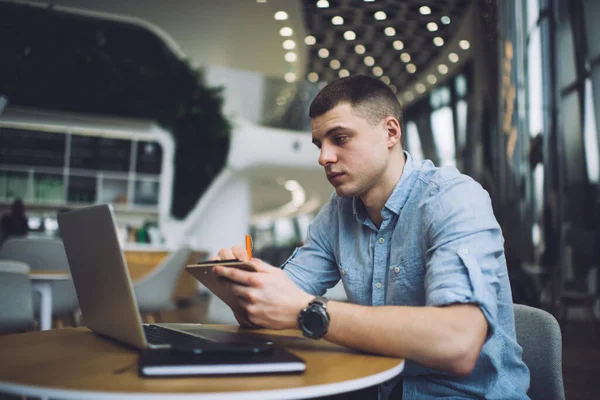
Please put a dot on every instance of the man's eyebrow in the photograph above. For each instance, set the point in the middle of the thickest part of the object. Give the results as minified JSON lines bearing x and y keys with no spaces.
{"x":329,"y":132}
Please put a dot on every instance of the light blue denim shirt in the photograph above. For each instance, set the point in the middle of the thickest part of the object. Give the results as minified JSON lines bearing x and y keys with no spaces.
{"x":439,"y":244}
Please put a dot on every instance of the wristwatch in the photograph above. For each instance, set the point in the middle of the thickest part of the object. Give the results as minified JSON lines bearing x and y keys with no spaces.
{"x":313,"y":320}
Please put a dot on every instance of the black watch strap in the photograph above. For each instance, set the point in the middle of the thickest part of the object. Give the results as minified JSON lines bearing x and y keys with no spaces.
{"x":320,"y":300}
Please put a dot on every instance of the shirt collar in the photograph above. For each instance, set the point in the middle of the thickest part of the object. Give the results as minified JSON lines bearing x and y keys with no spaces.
{"x":403,"y":187}
{"x":398,"y":197}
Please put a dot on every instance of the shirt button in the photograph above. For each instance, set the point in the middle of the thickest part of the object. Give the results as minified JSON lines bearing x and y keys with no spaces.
{"x":396,"y":270}
{"x":378,"y":285}
{"x":381,"y":240}
{"x":465,"y":250}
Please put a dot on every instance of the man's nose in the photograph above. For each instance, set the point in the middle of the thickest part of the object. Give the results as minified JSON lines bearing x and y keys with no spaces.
{"x":327,"y":156}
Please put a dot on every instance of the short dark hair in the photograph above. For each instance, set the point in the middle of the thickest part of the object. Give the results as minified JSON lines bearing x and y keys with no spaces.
{"x":371,"y":98}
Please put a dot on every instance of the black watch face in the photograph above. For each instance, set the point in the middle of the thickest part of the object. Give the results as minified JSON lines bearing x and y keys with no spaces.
{"x":315,"y":322}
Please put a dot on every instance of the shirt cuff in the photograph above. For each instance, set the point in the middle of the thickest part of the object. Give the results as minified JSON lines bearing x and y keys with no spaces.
{"x":476,"y":290}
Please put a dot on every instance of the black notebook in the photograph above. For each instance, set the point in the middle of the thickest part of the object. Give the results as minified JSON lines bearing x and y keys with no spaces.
{"x":170,"y":363}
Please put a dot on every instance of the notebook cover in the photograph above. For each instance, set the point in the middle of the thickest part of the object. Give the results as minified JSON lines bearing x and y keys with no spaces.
{"x":164,"y":362}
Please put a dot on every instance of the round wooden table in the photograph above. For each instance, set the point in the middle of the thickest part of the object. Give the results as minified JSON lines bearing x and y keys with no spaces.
{"x":75,"y":363}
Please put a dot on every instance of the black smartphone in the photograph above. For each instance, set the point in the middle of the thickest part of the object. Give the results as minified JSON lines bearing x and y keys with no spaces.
{"x":222,"y":348}
{"x":229,"y":263}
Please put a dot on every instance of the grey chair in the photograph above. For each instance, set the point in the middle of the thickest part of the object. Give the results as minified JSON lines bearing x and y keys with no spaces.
{"x":539,"y":335}
{"x":16,"y":297}
{"x":45,"y":254}
{"x":154,"y":291}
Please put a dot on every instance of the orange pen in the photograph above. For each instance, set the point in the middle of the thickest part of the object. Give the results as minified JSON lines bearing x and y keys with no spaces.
{"x":249,"y":246}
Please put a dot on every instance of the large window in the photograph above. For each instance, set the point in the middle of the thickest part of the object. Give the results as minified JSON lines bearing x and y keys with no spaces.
{"x":47,"y":167}
{"x":590,"y":134}
{"x":442,"y":125}
{"x":413,"y":141}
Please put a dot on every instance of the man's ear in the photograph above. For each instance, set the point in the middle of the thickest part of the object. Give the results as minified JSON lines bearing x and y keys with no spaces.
{"x":394,"y":131}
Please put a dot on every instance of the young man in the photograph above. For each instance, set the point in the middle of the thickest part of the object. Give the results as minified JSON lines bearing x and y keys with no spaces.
{"x":417,"y":248}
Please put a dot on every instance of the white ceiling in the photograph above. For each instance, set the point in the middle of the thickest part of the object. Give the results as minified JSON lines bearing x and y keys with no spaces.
{"x":239,"y":34}
{"x":229,"y":33}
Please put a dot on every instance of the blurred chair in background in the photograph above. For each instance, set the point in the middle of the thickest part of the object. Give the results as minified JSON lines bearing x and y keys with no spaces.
{"x":16,"y":300}
{"x":42,"y":254}
{"x":579,"y":288}
{"x":154,"y":292}
{"x":539,"y":335}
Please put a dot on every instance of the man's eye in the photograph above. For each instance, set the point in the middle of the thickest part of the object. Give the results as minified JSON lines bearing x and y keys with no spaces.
{"x":341,"y":139}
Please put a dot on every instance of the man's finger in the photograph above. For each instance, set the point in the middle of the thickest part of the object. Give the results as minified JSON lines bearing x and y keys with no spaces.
{"x":225,"y":254}
{"x":234,"y":274}
{"x":240,"y":253}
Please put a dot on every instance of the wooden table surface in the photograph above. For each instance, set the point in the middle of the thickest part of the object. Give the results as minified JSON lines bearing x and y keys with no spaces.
{"x":76,"y":363}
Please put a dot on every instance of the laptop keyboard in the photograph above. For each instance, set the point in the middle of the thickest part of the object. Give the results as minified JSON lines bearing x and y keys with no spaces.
{"x":158,"y":335}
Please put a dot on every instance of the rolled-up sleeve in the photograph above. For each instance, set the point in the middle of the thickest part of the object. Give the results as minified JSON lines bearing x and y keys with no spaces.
{"x":312,"y":267}
{"x":466,"y":250}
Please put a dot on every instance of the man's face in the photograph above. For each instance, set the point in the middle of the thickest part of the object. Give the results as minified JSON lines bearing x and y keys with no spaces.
{"x":354,"y":152}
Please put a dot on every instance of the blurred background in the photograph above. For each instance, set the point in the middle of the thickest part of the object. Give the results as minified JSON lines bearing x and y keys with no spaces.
{"x":191,"y":118}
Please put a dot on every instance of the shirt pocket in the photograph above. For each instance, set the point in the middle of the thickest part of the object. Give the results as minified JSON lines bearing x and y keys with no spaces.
{"x":407,"y":270}
{"x":352,"y":279}
{"x":406,"y":283}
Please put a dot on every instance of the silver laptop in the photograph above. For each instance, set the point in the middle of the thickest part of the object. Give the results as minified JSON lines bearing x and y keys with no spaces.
{"x":106,"y":295}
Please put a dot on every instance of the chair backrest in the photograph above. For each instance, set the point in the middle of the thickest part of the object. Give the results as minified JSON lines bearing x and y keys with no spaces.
{"x":44,"y":254}
{"x":154,"y":291}
{"x":16,"y":301}
{"x":539,"y":335}
{"x":38,"y":253}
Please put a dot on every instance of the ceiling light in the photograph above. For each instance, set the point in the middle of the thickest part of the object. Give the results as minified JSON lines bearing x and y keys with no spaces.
{"x":369,"y":61}
{"x":290,"y":56}
{"x":349,"y":35}
{"x":419,"y":87}
{"x":405,"y":57}
{"x":261,"y":1}
{"x":445,"y":20}
{"x":464,"y":44}
{"x":432,"y":79}
{"x":289,"y":77}
{"x":313,"y":77}
{"x":385,"y":79}
{"x":369,"y":1}
{"x":424,"y":10}
{"x":389,"y":31}
{"x":377,"y":71}
{"x":310,"y":40}
{"x":443,"y":68}
{"x":398,"y":44}
{"x":438,"y":41}
{"x":409,"y":96}
{"x":334,"y":64}
{"x":359,"y":49}
{"x":322,"y":4}
{"x":286,"y":31}
{"x":323,"y":53}
{"x":411,"y":68}
{"x":432,"y":27}
{"x":380,"y":16}
{"x":453,"y":57}
{"x":281,"y":16}
{"x":337,"y":20}
{"x":343,"y":73}
{"x":289,"y":44}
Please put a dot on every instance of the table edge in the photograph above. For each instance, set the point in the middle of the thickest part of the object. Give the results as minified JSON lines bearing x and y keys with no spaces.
{"x":295,"y":393}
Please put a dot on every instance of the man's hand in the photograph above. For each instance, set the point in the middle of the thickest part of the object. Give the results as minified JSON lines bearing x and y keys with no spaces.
{"x":268,"y":297}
